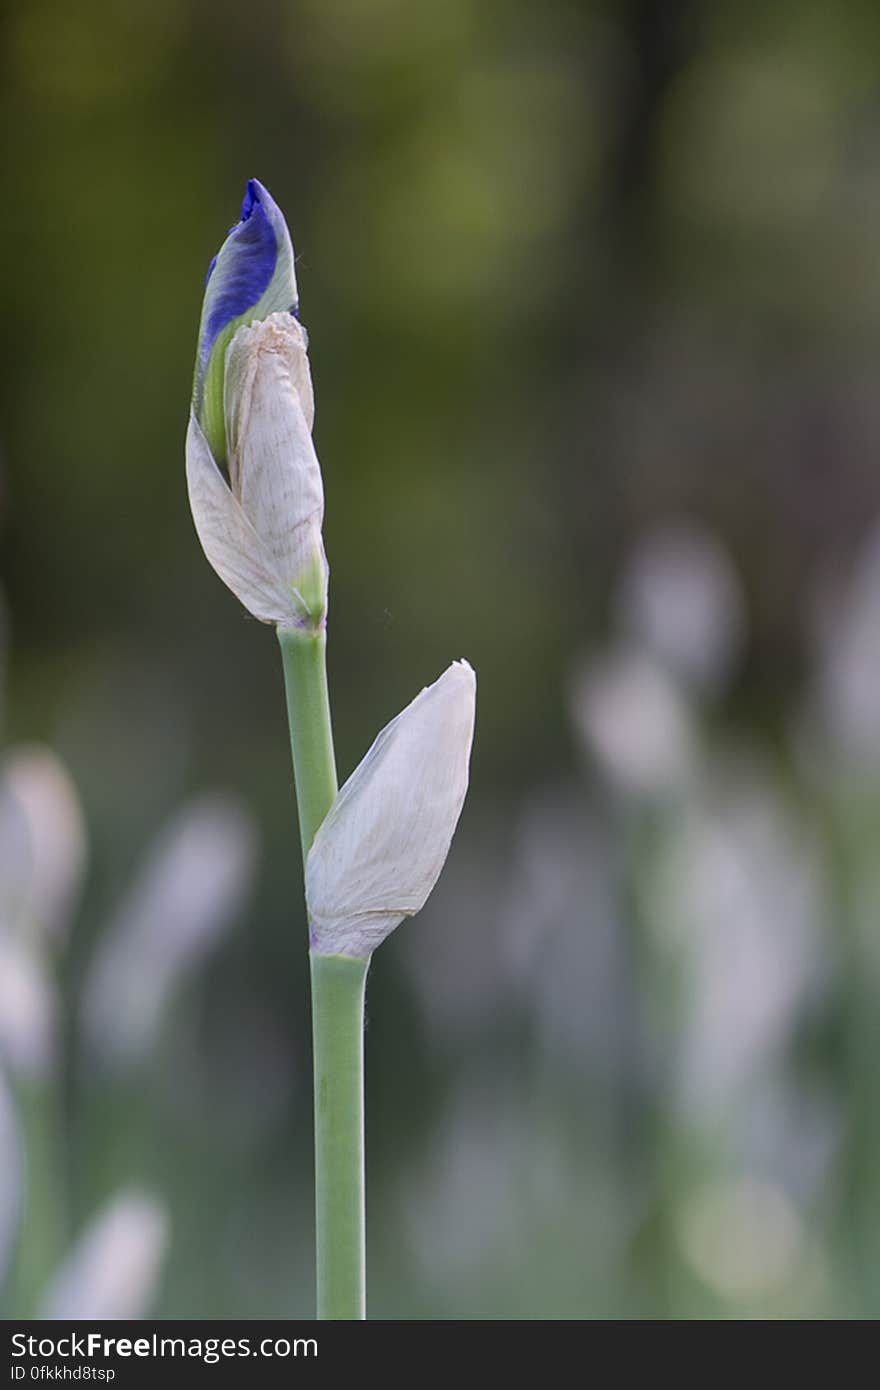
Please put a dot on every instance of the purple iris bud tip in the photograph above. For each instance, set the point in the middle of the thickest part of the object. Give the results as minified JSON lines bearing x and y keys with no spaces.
{"x":243,"y":269}
{"x":251,"y":277}
{"x":252,"y":195}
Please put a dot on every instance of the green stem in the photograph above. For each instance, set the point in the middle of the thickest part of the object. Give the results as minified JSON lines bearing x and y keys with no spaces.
{"x":337,"y":1005}
{"x":304,"y":654}
{"x":338,"y":1037}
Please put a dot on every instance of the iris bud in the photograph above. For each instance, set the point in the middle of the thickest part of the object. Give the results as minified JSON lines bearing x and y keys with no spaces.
{"x":252,"y":412}
{"x":384,"y":841}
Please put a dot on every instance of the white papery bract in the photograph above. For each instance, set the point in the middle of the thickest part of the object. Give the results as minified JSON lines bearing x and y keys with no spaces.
{"x":261,"y":529}
{"x":380,"y":850}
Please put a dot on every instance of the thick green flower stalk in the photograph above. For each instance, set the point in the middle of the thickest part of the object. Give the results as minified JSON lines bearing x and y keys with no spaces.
{"x":373,"y":850}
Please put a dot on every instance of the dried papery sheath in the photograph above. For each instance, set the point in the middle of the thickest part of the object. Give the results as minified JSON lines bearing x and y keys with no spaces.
{"x":261,"y":530}
{"x":273,"y":467}
{"x":384,"y":841}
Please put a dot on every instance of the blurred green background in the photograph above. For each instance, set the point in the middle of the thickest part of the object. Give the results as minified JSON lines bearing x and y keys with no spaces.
{"x":593,"y":297}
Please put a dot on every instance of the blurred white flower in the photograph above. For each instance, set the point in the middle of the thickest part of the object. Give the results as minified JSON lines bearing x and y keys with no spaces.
{"x":463,"y":1195}
{"x":28,"y":1007}
{"x":791,"y":1131}
{"x":42,"y":857}
{"x":741,"y":899}
{"x":743,"y":1237}
{"x":847,"y":679}
{"x":113,"y":1270}
{"x":42,"y":839}
{"x":470,"y":922}
{"x":488,"y":1193}
{"x":562,"y":918}
{"x":535,"y":918}
{"x":635,"y":722}
{"x":681,"y":600}
{"x":385,"y":840}
{"x":184,"y":898}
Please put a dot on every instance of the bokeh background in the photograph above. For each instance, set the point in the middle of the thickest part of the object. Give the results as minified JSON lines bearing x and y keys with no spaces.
{"x":593,"y":293}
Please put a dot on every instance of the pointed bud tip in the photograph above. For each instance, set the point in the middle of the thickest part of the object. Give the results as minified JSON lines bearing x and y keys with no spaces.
{"x":254,"y":193}
{"x":459,"y":674}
